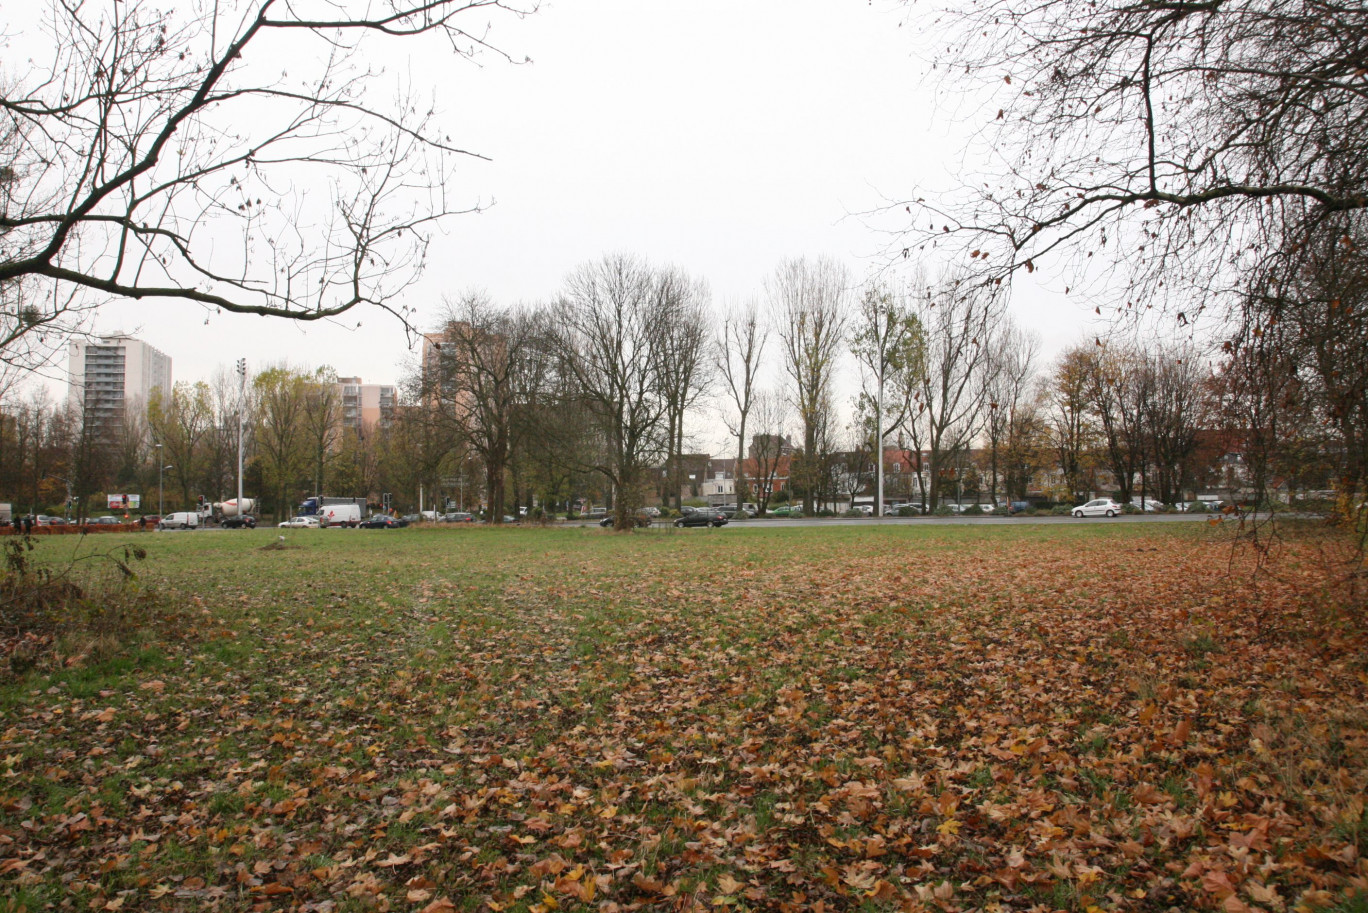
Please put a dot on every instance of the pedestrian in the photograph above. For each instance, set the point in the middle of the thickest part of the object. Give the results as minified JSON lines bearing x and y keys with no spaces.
{"x":28,"y":524}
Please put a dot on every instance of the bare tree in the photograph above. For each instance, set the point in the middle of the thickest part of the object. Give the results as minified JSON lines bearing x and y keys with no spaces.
{"x":960,"y":322}
{"x":1011,"y":414}
{"x":1175,"y":413}
{"x":611,"y":336}
{"x":150,"y":154}
{"x":739,"y":348}
{"x":1191,"y":141}
{"x":685,"y":369}
{"x":1118,"y":388}
{"x":809,"y":303}
{"x":769,"y":447}
{"x":488,"y":370}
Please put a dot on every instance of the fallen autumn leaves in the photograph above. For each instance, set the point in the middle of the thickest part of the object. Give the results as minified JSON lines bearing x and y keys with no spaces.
{"x":781,"y":720}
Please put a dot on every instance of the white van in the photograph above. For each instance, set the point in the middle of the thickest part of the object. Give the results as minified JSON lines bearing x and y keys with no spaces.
{"x":183,"y":519}
{"x":339,"y":515}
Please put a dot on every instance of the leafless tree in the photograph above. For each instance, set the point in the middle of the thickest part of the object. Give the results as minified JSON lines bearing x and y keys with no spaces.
{"x":739,"y":349}
{"x":612,"y":339}
{"x":1314,"y":305}
{"x":685,"y":368}
{"x":1190,"y":141}
{"x":1010,"y":419}
{"x":809,"y":301}
{"x":168,"y":155}
{"x":1118,"y":388}
{"x":960,"y":322}
{"x":769,"y":449}
{"x":489,"y":369}
{"x":1175,"y":414}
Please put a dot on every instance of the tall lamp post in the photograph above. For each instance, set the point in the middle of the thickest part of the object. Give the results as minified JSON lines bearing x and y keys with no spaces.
{"x":242,"y":400}
{"x":160,"y":469}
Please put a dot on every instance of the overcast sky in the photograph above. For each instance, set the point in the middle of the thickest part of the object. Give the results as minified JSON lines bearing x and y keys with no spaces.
{"x":720,"y":137}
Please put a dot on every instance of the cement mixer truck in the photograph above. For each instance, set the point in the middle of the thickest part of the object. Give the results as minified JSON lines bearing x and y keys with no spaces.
{"x":229,"y":514}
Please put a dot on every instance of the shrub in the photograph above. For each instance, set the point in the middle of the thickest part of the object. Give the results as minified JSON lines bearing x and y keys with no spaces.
{"x":1059,"y":510}
{"x":973,"y":510}
{"x":47,"y":611}
{"x":907,"y":510}
{"x":943,"y":511}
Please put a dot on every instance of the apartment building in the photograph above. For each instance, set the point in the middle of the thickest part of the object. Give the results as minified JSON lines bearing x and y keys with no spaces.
{"x":108,"y":374}
{"x":366,"y":406}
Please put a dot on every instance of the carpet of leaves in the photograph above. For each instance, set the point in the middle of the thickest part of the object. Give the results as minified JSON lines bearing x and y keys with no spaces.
{"x":1098,"y":718}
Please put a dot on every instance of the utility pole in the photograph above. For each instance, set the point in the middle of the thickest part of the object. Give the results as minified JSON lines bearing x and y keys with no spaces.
{"x":242,"y":404}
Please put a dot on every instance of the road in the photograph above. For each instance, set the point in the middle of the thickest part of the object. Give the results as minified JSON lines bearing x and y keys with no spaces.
{"x":963,"y":521}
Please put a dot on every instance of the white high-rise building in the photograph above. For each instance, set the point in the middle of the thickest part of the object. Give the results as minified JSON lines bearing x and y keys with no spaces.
{"x":111,"y":372}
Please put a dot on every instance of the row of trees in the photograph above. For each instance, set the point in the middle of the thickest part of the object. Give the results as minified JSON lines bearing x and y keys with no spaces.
{"x":591,"y":394}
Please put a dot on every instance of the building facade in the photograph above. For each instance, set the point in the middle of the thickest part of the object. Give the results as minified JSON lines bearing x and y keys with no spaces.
{"x":106,"y":375}
{"x":366,"y":406}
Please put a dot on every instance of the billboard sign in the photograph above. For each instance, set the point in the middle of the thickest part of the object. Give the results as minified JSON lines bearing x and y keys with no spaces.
{"x":125,"y":502}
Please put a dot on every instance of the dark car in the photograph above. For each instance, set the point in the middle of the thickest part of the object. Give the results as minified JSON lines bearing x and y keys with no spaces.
{"x":239,"y":523}
{"x":380,"y":521}
{"x":1018,"y":507}
{"x":702,"y":516}
{"x":459,"y":516}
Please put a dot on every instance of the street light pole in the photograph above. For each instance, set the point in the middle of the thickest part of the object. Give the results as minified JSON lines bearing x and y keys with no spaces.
{"x":242,"y":401}
{"x":160,"y":470}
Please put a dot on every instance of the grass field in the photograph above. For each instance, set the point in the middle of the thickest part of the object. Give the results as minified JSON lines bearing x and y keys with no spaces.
{"x":1042,"y":717}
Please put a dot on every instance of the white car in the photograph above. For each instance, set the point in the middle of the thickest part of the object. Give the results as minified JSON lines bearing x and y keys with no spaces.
{"x":1098,"y":507}
{"x":300,"y":523}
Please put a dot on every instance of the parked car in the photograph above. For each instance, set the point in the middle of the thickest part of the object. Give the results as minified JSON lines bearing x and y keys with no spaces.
{"x":458,"y":516}
{"x":863,"y":510}
{"x":788,"y":510}
{"x":381,"y":521}
{"x":732,"y":511}
{"x":702,"y":516}
{"x":413,"y":518}
{"x":1098,"y":507}
{"x":1017,"y":507}
{"x":299,"y":523}
{"x":106,"y":521}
